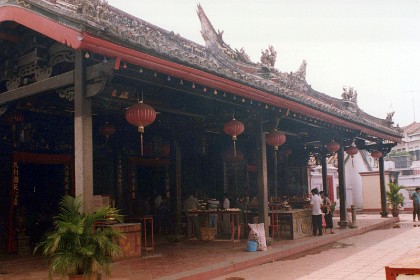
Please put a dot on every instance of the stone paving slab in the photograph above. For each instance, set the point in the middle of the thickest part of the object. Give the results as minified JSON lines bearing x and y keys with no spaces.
{"x":196,"y":259}
{"x":361,"y":257}
{"x":282,"y":249}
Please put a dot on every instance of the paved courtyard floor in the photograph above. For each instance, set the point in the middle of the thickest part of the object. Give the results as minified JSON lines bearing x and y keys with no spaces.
{"x":359,"y":257}
{"x":204,"y":260}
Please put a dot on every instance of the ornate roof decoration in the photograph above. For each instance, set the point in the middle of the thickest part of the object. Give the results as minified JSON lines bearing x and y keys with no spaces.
{"x":349,"y":95}
{"x":268,"y":57}
{"x":217,"y":57}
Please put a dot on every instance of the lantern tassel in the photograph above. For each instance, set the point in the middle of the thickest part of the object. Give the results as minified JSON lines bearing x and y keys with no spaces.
{"x":141,"y":144}
{"x":234,"y":148}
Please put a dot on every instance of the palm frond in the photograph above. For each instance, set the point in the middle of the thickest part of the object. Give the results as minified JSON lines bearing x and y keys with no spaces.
{"x":75,"y":246}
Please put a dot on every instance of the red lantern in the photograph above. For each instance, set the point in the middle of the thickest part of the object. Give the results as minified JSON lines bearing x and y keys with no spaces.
{"x":107,"y":130}
{"x":376,"y":154}
{"x":352,"y":150}
{"x":233,"y":128}
{"x":333,"y":146}
{"x":140,"y":115}
{"x":275,"y":139}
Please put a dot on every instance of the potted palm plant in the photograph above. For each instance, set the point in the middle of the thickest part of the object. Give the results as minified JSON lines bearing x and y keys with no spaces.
{"x":395,"y":198}
{"x":75,"y":247}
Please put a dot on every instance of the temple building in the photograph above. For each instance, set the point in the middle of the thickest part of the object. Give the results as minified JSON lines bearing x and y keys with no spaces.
{"x":98,"y":103}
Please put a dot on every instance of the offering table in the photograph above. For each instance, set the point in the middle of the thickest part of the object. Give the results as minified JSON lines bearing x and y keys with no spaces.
{"x":234,"y":215}
{"x":295,"y":223}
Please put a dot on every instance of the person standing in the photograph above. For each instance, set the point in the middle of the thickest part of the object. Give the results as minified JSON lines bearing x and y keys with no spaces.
{"x":316,"y":203}
{"x":416,"y":204}
{"x":213,"y":206}
{"x":226,"y":217}
{"x":326,"y":209}
{"x":193,"y":205}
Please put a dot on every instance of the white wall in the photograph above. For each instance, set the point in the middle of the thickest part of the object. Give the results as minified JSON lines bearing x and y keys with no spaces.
{"x":354,"y":180}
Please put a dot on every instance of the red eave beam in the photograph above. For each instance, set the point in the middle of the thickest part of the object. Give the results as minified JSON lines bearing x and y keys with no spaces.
{"x":110,"y":49}
{"x":43,"y":25}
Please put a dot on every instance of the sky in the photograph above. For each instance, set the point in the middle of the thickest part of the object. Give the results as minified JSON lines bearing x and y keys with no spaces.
{"x":370,"y":45}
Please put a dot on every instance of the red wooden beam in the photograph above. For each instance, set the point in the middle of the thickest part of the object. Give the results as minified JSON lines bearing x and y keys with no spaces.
{"x":41,"y":24}
{"x":109,"y":49}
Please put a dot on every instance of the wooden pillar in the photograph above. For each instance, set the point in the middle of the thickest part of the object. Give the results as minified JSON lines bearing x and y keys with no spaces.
{"x":324,"y":173}
{"x":342,"y":187}
{"x":384,"y":212}
{"x":83,"y":155}
{"x":262,"y":180}
{"x":276,"y":193}
{"x":178,"y":185}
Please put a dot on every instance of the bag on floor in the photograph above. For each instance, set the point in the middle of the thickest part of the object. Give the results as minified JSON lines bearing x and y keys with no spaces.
{"x":257,"y":232}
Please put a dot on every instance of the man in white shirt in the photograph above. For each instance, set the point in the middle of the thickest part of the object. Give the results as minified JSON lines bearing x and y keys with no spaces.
{"x":316,"y":203}
{"x":226,"y":217}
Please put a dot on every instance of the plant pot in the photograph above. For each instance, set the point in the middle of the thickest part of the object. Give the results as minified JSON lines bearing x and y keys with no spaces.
{"x":395,"y":212}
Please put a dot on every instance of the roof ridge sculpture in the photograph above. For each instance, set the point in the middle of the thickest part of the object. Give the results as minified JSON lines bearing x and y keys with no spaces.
{"x":100,"y":19}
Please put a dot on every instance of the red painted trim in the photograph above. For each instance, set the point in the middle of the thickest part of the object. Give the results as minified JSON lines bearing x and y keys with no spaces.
{"x":110,"y":49}
{"x":41,"y":24}
{"x":41,"y":158}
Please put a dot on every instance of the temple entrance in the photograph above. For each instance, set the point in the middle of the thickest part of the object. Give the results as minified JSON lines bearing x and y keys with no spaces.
{"x":38,"y":183}
{"x":40,"y":190}
{"x":148,"y":179}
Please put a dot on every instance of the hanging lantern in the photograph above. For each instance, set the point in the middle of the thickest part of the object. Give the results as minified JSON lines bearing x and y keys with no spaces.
{"x":352,"y":150}
{"x":107,"y":130}
{"x":376,"y":154}
{"x":275,"y":139}
{"x":140,"y":115}
{"x":333,"y":146}
{"x":233,"y":128}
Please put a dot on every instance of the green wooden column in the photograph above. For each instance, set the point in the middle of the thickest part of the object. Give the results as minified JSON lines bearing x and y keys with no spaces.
{"x":324,"y":173}
{"x":83,"y":151}
{"x":342,"y":187}
{"x":384,"y":212}
{"x":262,"y":179}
